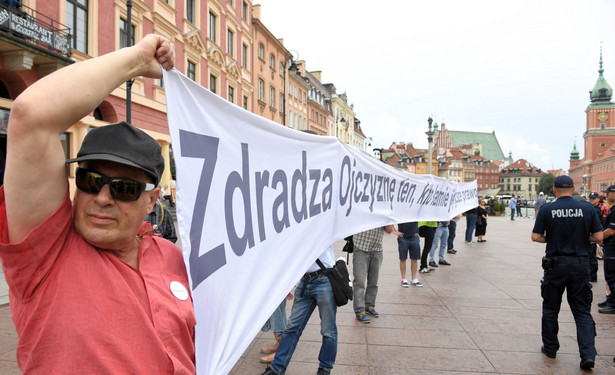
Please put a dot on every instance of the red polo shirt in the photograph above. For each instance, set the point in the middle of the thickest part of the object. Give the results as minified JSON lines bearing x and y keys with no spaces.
{"x":81,"y":310}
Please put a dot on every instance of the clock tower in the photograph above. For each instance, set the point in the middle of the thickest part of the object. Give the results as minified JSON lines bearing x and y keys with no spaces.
{"x":596,"y":170}
{"x":600,"y":134}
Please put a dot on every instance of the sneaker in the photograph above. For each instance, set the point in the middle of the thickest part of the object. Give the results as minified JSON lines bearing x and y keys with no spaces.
{"x":363,"y":318}
{"x":404,"y":283}
{"x":416,"y":283}
{"x":322,"y":371}
{"x":451,"y":251}
{"x":468,"y":243}
{"x":373,"y":313}
{"x":444,"y":263}
{"x":433,"y":264}
{"x":425,"y":270}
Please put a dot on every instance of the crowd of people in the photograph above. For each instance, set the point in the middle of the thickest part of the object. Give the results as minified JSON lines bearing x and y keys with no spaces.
{"x":72,"y":264}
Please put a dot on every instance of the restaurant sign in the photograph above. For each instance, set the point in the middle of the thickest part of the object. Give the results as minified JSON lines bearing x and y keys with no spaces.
{"x":26,"y":26}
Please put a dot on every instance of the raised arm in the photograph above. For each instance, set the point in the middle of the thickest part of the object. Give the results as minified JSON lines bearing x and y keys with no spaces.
{"x":35,"y":181}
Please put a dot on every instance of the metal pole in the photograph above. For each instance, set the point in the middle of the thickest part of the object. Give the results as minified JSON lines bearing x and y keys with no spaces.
{"x":128,"y":44}
{"x":430,"y":134}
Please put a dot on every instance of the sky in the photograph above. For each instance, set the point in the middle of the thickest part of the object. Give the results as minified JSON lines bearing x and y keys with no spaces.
{"x":520,"y":68}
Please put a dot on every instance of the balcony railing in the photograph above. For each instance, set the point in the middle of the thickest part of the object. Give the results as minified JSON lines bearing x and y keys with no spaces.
{"x":34,"y":27}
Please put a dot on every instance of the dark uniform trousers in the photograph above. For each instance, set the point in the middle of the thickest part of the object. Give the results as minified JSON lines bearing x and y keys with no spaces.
{"x":593,"y":263}
{"x":608,"y":260}
{"x":572,"y":274}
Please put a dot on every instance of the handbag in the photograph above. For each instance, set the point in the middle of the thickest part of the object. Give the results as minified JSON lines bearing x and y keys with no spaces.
{"x":348,"y":247}
{"x":340,"y":281}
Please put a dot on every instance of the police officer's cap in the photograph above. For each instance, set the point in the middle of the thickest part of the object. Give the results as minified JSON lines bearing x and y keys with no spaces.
{"x":594,"y":195}
{"x":563,"y":182}
{"x":610,"y":189}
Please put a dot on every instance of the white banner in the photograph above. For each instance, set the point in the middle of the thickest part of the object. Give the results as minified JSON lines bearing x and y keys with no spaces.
{"x":259,"y":202}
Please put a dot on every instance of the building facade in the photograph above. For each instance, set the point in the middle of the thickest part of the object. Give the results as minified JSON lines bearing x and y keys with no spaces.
{"x":220,"y":44}
{"x":270,"y":59}
{"x":520,"y":178}
{"x":319,"y":120}
{"x":343,"y":114}
{"x":596,"y":170}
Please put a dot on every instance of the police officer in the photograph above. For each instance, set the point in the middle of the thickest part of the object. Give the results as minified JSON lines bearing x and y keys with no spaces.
{"x":609,"y":253}
{"x":567,"y":226}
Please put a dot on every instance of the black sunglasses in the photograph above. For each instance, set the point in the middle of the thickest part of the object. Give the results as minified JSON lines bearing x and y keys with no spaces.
{"x":122,"y":189}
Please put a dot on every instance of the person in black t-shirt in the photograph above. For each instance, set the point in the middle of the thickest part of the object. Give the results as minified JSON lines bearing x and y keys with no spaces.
{"x":567,"y":226}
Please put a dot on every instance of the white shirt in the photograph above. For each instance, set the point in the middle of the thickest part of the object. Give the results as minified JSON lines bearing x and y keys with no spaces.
{"x":327,"y":258}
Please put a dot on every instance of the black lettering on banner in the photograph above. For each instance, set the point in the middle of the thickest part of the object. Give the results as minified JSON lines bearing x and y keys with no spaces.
{"x":386,"y":182}
{"x":380,"y":196}
{"x":233,"y":182}
{"x":367,"y":177}
{"x":352,"y":189}
{"x":300,"y":176}
{"x":425,"y":197}
{"x":344,"y":195}
{"x":261,"y":182}
{"x":279,"y":177}
{"x":392,"y":191}
{"x":357,"y":190}
{"x":314,"y":176}
{"x":327,"y":192}
{"x":406,"y":192}
{"x":200,"y":146}
{"x":372,"y":191}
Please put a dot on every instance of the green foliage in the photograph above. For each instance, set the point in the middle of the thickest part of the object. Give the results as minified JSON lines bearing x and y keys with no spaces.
{"x":545,"y":184}
{"x":499,"y":206}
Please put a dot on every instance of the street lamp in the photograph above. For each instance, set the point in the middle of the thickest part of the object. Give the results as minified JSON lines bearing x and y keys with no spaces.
{"x":379,"y":152}
{"x":128,"y":44}
{"x":430,"y":134}
{"x":367,"y":143}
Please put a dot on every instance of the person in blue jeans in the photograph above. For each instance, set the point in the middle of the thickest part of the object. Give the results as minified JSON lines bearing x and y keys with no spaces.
{"x":313,"y":290}
{"x":440,"y":240}
{"x":470,"y":224}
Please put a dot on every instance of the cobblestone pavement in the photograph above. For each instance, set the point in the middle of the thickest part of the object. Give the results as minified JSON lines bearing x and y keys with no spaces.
{"x":479,"y":316}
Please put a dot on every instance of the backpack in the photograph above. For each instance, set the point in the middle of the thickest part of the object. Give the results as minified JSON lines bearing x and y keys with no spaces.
{"x":340,"y":281}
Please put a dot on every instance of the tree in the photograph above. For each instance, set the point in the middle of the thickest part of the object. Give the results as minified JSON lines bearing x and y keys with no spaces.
{"x":546,"y":184}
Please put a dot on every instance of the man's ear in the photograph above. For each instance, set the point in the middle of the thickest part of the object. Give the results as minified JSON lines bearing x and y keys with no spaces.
{"x":153,"y":197}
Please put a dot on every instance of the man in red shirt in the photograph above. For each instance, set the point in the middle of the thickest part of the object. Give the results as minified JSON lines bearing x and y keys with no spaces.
{"x":91,"y":289}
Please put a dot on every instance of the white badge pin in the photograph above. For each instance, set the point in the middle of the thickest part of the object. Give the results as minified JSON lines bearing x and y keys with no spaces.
{"x":179,"y":290}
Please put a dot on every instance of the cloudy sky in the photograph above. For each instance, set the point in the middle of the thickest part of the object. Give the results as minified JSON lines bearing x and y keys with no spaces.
{"x":520,"y":68}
